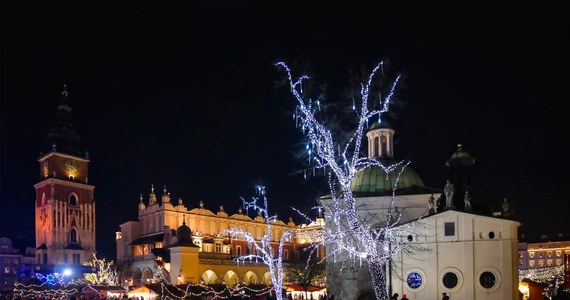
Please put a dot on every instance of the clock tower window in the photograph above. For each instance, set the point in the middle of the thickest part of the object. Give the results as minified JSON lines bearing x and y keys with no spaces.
{"x":72,"y":200}
{"x":73,"y":236}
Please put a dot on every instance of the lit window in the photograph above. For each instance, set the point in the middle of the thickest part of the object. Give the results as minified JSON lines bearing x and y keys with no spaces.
{"x":549,"y":262}
{"x":558,"y":262}
{"x":558,"y":253}
{"x":549,"y":253}
{"x":531,"y":254}
{"x":521,"y":254}
{"x":531,"y":263}
{"x":6,"y":270}
{"x":218,"y":248}
{"x":540,"y":263}
{"x":286,"y":254}
{"x":238,"y":250}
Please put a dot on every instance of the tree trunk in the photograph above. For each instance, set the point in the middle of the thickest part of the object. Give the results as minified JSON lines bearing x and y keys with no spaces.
{"x":378,"y":276}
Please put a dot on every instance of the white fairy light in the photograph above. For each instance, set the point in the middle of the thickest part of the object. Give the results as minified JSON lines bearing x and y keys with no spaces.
{"x":348,"y":232}
{"x":263,"y":250}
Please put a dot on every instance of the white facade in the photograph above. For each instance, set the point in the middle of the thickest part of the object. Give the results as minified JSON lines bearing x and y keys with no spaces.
{"x":468,"y":257}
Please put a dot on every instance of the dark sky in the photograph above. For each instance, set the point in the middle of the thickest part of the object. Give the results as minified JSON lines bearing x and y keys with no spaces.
{"x":184,"y":95}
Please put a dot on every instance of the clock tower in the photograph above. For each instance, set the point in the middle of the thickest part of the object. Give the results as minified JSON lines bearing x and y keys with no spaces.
{"x":64,"y":204}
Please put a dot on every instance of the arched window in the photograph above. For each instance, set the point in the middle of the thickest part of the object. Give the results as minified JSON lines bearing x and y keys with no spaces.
{"x":72,"y":200}
{"x":376,"y":148}
{"x":73,"y":236}
{"x":384,"y":142}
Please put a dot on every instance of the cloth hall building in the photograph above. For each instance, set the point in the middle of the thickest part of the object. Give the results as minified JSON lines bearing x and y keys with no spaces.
{"x":193,"y":247}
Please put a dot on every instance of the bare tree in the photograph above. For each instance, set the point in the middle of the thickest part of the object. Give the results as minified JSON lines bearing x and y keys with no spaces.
{"x":341,"y":158}
{"x":263,"y":249}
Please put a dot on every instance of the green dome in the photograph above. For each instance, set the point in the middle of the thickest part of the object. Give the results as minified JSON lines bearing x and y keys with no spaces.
{"x":461,"y":158}
{"x":374,"y":181}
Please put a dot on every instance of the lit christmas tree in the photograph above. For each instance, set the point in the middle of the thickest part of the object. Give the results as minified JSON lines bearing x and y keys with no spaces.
{"x":341,"y":159}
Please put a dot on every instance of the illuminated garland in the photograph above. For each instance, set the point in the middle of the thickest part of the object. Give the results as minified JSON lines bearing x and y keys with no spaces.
{"x":347,"y":232}
{"x":542,"y":275}
{"x":181,"y":292}
{"x":52,"y":286}
{"x":263,"y":249}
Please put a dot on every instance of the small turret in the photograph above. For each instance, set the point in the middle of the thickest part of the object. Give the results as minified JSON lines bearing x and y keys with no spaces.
{"x":165,"y":196}
{"x":152,"y":196}
{"x":142,"y":207}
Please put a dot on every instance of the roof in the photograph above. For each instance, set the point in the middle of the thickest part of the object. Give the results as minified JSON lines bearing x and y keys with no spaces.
{"x":148,"y":239}
{"x":374,"y":181}
{"x":74,"y":247}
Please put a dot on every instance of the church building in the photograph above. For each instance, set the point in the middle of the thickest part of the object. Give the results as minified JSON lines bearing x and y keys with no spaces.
{"x":464,"y":254}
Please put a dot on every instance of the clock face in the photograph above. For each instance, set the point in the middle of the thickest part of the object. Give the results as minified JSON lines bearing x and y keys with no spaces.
{"x":71,"y":165}
{"x":414,"y":280}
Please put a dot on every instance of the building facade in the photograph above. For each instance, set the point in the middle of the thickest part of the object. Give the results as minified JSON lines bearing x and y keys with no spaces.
{"x":14,"y":265}
{"x":194,"y":244}
{"x":64,"y":204}
{"x":477,"y":251}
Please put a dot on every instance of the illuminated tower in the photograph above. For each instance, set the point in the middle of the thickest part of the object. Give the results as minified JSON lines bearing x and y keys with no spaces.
{"x":65,"y":207}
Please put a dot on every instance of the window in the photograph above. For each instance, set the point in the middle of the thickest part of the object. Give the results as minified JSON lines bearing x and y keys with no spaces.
{"x":4,"y":249}
{"x":540,"y":263}
{"x":376,"y":147}
{"x":76,"y":259}
{"x":558,"y":253}
{"x":286,"y":254}
{"x":73,"y":236}
{"x":487,"y":280}
{"x":531,"y":254}
{"x":558,"y":262}
{"x":218,"y":248}
{"x":450,"y":280}
{"x":549,"y":262}
{"x":414,"y":280}
{"x":549,"y":253}
{"x":449,"y":228}
{"x":38,"y":261}
{"x":65,"y":257}
{"x":491,"y":234}
{"x":384,"y":143}
{"x":531,"y":263}
{"x":72,"y":198}
{"x":45,"y":258}
{"x":521,"y":254}
{"x":238,"y":250}
{"x":6,"y":270}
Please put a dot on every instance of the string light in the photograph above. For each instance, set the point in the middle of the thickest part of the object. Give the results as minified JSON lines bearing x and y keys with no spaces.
{"x":347,"y":232}
{"x":105,"y":274}
{"x":263,"y":246}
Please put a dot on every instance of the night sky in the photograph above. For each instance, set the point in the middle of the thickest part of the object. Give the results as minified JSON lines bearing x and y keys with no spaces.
{"x":185,"y":95}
